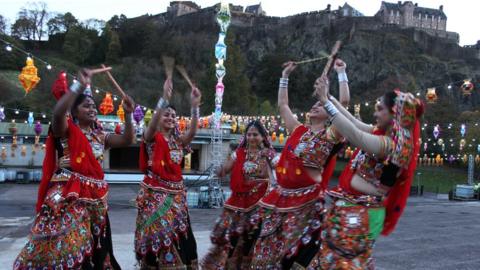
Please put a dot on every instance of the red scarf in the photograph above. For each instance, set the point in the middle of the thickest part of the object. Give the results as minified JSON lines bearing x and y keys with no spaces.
{"x":162,"y":164}
{"x":82,"y":161}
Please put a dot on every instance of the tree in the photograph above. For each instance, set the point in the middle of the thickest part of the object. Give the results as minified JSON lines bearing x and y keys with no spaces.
{"x":31,"y":23}
{"x":78,"y":44}
{"x":114,"y":49}
{"x":3,"y":24}
{"x":94,"y":24}
{"x":61,"y":23}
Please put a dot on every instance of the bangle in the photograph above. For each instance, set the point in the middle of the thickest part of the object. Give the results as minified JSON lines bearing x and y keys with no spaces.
{"x":162,"y":104}
{"x":342,"y":77}
{"x":283,"y":83}
{"x":330,"y":108}
{"x":75,"y":87}
{"x":129,"y":118}
{"x":195,"y":112}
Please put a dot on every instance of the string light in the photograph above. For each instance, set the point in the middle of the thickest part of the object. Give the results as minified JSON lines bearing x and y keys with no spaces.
{"x":449,"y":86}
{"x":17,"y":112}
{"x":115,"y":98}
{"x":8,"y":48}
{"x":97,"y":91}
{"x":44,"y":116}
{"x":49,"y":67}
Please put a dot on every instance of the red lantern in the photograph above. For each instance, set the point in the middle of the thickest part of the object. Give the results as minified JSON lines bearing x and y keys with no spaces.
{"x":106,"y":106}
{"x":118,"y":129}
{"x":467,"y":87}
{"x":60,"y":86}
{"x":431,"y":95}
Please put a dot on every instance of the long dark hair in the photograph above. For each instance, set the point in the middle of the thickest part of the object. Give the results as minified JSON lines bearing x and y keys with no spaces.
{"x":261,"y":129}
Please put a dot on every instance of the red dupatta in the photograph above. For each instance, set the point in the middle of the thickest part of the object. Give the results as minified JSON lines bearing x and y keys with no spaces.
{"x":82,"y":161}
{"x":162,"y":165}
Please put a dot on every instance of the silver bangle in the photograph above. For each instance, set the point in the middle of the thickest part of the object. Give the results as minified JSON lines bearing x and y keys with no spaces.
{"x":195,"y":112}
{"x":75,"y":87}
{"x":342,"y":77}
{"x":283,"y":82}
{"x":129,"y":118}
{"x":162,"y":104}
{"x":330,"y":109}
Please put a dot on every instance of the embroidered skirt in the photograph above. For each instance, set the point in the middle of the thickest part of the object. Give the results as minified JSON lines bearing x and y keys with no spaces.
{"x":288,"y":238}
{"x":163,"y":235}
{"x":68,"y":234}
{"x":233,"y":237}
{"x":348,"y":237}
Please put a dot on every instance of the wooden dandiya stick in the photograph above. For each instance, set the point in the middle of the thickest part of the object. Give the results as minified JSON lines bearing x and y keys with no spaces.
{"x":169,"y":64}
{"x":182,"y":71}
{"x":99,"y":70}
{"x":325,"y":55}
{"x":115,"y":82}
{"x":331,"y":59}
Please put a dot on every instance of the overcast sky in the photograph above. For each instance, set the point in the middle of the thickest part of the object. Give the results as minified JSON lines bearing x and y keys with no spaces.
{"x":463,"y":15}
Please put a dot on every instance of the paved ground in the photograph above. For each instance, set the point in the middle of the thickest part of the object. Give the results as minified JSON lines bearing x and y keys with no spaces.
{"x":433,"y":233}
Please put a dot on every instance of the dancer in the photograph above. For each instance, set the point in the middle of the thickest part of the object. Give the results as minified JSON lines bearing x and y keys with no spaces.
{"x":292,"y":212}
{"x":71,"y":229}
{"x":163,"y":236}
{"x":374,"y":187}
{"x":236,"y":230}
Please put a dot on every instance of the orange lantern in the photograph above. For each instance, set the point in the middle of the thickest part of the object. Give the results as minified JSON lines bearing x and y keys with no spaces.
{"x":29,"y":77}
{"x":121,"y":113}
{"x":477,"y":159}
{"x":274,"y":136}
{"x":182,"y":124}
{"x":467,"y":87}
{"x":431,"y":95}
{"x":281,"y":139}
{"x":4,"y":153}
{"x":106,"y":106}
{"x":438,"y":159}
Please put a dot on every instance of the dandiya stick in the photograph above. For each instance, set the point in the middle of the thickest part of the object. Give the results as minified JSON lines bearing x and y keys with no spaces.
{"x":325,"y":56}
{"x":99,"y":70}
{"x":182,"y":71}
{"x":331,"y":60}
{"x":169,"y":64}
{"x":115,"y":83}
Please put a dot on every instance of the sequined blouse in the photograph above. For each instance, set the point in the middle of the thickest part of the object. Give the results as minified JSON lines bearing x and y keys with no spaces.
{"x":315,"y":148}
{"x":176,"y":151}
{"x":97,"y":139}
{"x":254,"y":166}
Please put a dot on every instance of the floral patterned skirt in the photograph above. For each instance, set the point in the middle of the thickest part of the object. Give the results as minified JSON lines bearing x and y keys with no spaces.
{"x":163,"y":235}
{"x":233,"y":237}
{"x":288,"y":239}
{"x":68,"y":234}
{"x":348,"y":237}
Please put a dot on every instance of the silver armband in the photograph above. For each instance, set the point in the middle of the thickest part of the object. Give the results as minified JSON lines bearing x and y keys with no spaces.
{"x":195,"y":112}
{"x":342,"y":77}
{"x":330,"y":108}
{"x":75,"y":87}
{"x":283,"y":83}
{"x":162,"y":104}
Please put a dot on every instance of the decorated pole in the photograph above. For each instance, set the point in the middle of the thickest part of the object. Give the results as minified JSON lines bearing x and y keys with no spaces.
{"x":215,"y":191}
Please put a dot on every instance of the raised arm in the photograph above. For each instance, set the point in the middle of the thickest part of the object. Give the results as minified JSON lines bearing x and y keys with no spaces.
{"x":161,"y":106}
{"x":359,"y":124}
{"x":195,"y":99}
{"x":344,"y":91}
{"x":64,"y":104}
{"x":370,"y":143}
{"x":290,"y":121}
{"x":227,"y":166}
{"x":128,"y":135}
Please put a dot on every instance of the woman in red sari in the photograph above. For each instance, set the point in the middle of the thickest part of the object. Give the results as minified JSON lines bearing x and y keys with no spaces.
{"x":374,"y":187}
{"x":163,"y":235}
{"x":71,"y":229}
{"x":292,"y":212}
{"x":236,"y":230}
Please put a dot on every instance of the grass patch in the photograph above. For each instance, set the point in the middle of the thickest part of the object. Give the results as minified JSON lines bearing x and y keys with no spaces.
{"x":433,"y":179}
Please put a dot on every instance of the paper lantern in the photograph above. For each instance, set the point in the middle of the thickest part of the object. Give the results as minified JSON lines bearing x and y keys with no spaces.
{"x":281,"y":138}
{"x":436,"y":131}
{"x":138,"y":114}
{"x":465,"y":158}
{"x":121,"y":113}
{"x":438,"y":159}
{"x":4,"y":153}
{"x":477,"y":159}
{"x":38,"y":128}
{"x":23,"y":151}
{"x":274,"y":136}
{"x":431,"y":95}
{"x":148,"y":117}
{"x":356,"y":109}
{"x":425,"y":146}
{"x":29,"y":77}
{"x":118,"y":129}
{"x":478,"y":148}
{"x":451,"y":159}
{"x":467,"y":87}
{"x":463,"y":130}
{"x":2,"y":114}
{"x":106,"y":106}
{"x":30,"y":119}
{"x":463,"y":142}
{"x":60,"y":86}
{"x":182,"y":124}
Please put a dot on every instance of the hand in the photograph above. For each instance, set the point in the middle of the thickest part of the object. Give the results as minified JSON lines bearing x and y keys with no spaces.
{"x":321,"y":88}
{"x":167,"y":89}
{"x":288,"y":67}
{"x":339,"y":66}
{"x":84,"y":76}
{"x":128,"y":104}
{"x":195,"y":97}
